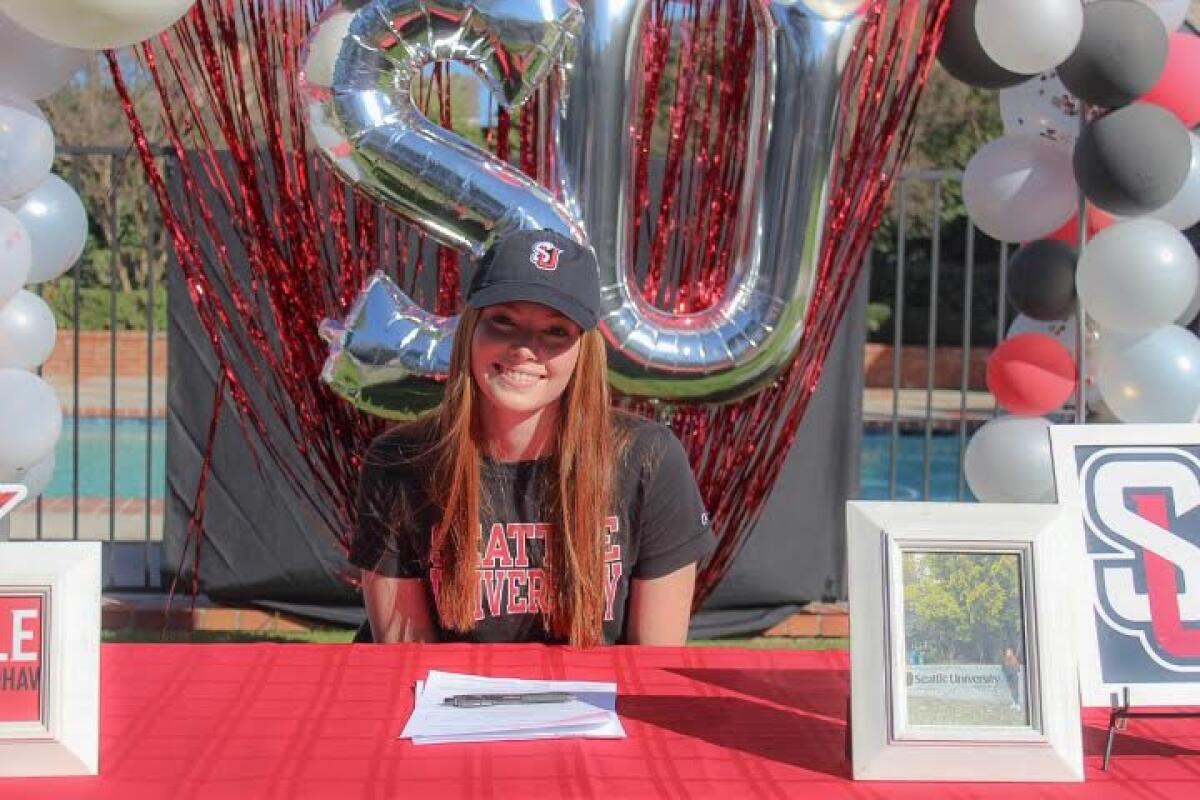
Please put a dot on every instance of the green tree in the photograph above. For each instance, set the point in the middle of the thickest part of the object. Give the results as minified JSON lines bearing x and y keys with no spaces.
{"x":962,"y":607}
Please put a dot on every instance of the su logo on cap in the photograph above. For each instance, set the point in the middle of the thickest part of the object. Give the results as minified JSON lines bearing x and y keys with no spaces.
{"x":545,"y":256}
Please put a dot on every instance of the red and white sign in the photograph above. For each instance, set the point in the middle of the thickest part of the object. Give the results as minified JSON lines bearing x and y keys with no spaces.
{"x":1136,"y":492}
{"x":20,"y":658}
{"x":11,"y":494}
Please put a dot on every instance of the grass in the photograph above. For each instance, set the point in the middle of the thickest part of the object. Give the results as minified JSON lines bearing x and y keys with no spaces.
{"x":343,"y":635}
{"x":937,"y":711}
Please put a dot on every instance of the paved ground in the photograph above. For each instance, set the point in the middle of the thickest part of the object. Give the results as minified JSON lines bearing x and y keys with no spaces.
{"x":943,"y":405}
{"x":98,"y":520}
{"x":96,"y":395}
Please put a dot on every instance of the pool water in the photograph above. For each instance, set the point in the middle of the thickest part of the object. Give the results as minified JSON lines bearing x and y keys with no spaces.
{"x":875,"y":467}
{"x":96,"y":436}
{"x":95,"y":477}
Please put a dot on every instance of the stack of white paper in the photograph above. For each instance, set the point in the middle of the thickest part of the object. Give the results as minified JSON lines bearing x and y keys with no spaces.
{"x":592,"y":712}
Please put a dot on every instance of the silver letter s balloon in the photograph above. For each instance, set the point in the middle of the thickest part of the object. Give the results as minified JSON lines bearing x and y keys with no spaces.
{"x":359,"y":66}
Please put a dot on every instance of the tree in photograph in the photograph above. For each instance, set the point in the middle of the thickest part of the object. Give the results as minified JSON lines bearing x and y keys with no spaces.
{"x":962,"y":607}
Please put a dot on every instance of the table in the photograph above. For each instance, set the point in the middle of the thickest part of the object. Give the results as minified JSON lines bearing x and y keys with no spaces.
{"x":297,"y":721}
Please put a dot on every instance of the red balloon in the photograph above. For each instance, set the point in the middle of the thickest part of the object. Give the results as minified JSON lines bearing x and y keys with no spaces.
{"x":1031,"y":374}
{"x":1176,"y":90}
{"x":1098,"y":220}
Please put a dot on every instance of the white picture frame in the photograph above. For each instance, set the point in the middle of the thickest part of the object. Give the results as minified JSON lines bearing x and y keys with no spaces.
{"x":1046,"y":745}
{"x":62,"y":736}
{"x":1111,"y":478}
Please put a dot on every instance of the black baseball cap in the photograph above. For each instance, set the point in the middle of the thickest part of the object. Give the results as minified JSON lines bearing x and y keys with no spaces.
{"x":541,"y":267}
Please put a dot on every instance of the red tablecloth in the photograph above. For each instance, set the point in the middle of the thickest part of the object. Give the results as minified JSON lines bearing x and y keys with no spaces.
{"x":294,"y":721}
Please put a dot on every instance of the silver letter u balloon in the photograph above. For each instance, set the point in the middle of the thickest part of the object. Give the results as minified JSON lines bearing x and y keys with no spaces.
{"x":359,"y":66}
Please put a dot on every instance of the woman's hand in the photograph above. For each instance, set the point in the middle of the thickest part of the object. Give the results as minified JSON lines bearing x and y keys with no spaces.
{"x":398,"y":609}
{"x":659,"y":608}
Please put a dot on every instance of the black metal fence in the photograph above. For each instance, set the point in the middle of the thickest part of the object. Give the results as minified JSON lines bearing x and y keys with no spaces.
{"x":110,"y":479}
{"x":109,"y":473}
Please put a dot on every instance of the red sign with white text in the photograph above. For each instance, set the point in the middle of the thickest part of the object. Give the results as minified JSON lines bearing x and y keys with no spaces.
{"x":20,"y":658}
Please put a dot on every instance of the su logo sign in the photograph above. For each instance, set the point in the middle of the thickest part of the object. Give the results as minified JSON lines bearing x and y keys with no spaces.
{"x":1142,"y":524}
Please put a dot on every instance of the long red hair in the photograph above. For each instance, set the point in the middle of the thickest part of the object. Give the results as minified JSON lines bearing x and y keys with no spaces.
{"x":578,"y":500}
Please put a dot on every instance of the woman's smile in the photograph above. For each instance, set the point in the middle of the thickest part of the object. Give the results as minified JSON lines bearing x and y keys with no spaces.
{"x":522,"y":357}
{"x":518,"y":378}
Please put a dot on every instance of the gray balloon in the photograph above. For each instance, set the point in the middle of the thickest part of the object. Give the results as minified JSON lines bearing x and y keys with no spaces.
{"x":1134,"y":160}
{"x":1041,"y":280}
{"x":1120,"y":56}
{"x":963,"y":56}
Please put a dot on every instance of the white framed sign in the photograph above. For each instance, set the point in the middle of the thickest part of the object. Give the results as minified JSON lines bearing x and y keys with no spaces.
{"x":960,"y":658}
{"x":1134,"y":495}
{"x":49,"y":658}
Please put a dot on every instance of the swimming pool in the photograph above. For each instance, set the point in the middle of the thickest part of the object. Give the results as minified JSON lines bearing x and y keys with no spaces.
{"x":874,"y":467}
{"x":95,"y":435}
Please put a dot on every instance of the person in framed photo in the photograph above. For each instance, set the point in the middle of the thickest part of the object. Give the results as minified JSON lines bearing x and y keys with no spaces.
{"x":1010,"y":665}
{"x":525,"y":508}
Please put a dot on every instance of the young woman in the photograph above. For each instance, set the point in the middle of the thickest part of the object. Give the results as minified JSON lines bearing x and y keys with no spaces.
{"x":525,"y":508}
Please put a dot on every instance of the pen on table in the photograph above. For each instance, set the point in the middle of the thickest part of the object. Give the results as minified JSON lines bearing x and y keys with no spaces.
{"x":528,"y":698}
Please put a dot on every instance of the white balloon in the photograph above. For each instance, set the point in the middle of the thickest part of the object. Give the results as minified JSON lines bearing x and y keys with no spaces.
{"x":30,"y":419}
{"x":1191,"y":312}
{"x":1041,"y":106}
{"x":16,"y":255}
{"x":1061,"y":329}
{"x":1029,"y":36}
{"x":26,"y":146}
{"x":97,"y":24}
{"x":57,"y":225}
{"x":27,"y":332}
{"x":1153,"y":377}
{"x":1183,"y":210}
{"x":1020,"y":188}
{"x":33,"y":67}
{"x":1137,"y":275}
{"x":1008,"y":461}
{"x":1171,"y":12}
{"x":35,"y":479}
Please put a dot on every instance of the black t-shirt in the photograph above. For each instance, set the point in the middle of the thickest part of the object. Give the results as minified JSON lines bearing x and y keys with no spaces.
{"x":658,"y":525}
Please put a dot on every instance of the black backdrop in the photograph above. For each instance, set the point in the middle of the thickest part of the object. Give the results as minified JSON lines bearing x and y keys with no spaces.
{"x":263,"y":544}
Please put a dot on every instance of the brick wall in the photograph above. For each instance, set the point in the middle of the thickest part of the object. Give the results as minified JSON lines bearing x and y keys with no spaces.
{"x":95,"y":349}
{"x":914,"y":367}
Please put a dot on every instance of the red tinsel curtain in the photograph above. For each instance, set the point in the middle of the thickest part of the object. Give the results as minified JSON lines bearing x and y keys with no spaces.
{"x":234,"y":120}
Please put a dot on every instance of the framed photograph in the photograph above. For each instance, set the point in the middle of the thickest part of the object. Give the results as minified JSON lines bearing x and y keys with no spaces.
{"x":957,"y":623}
{"x":1133,"y":492}
{"x":49,"y":658}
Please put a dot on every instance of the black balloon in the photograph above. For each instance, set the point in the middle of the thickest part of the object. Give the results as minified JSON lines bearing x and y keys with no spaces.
{"x":1120,"y":56}
{"x":963,"y":56}
{"x":1134,"y":160}
{"x":1041,"y":280}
